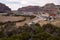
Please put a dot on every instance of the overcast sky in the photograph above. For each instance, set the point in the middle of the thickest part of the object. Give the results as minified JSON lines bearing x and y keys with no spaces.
{"x":15,"y":4}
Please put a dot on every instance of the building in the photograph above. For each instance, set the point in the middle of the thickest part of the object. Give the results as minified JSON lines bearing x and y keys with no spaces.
{"x":28,"y":13}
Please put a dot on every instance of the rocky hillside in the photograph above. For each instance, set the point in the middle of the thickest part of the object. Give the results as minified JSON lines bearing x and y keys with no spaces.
{"x":30,"y":9}
{"x":50,"y":8}
{"x":4,"y":8}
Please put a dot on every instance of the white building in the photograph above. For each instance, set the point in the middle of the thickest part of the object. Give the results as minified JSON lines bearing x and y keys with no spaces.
{"x":27,"y":13}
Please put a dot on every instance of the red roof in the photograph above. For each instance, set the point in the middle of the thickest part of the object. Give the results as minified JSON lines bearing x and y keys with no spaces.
{"x":52,"y":14}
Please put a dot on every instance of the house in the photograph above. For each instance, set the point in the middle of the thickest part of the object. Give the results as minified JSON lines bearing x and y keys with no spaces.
{"x":51,"y":17}
{"x":43,"y":15}
{"x":28,"y":13}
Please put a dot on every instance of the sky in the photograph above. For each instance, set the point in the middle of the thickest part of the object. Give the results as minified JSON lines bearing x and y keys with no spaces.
{"x":15,"y":4}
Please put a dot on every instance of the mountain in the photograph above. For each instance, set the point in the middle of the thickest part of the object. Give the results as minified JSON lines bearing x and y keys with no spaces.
{"x":30,"y":9}
{"x":4,"y":8}
{"x":49,"y":8}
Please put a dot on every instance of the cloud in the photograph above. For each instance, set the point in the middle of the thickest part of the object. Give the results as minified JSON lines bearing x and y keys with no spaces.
{"x":14,"y":6}
{"x":58,"y":2}
{"x":37,"y":2}
{"x":12,"y":0}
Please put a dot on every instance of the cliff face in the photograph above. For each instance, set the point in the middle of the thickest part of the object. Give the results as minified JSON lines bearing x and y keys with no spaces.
{"x":4,"y":8}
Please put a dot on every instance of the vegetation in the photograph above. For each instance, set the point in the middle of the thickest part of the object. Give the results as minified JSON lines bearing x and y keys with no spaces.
{"x":33,"y":32}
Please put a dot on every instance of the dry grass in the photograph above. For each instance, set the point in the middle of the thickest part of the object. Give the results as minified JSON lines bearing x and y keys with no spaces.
{"x":14,"y":18}
{"x":56,"y":22}
{"x":22,"y":23}
{"x":10,"y":18}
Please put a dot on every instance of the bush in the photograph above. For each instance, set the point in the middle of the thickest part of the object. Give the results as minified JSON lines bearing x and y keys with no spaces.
{"x":33,"y":32}
{"x":53,"y":30}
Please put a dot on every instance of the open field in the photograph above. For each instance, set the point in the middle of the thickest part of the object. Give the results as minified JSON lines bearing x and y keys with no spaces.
{"x":10,"y":18}
{"x":15,"y":18}
{"x":28,"y":20}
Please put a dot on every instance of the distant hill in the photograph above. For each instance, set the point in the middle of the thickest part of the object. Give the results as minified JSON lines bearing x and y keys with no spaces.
{"x":4,"y":8}
{"x":30,"y":9}
{"x":49,"y":8}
